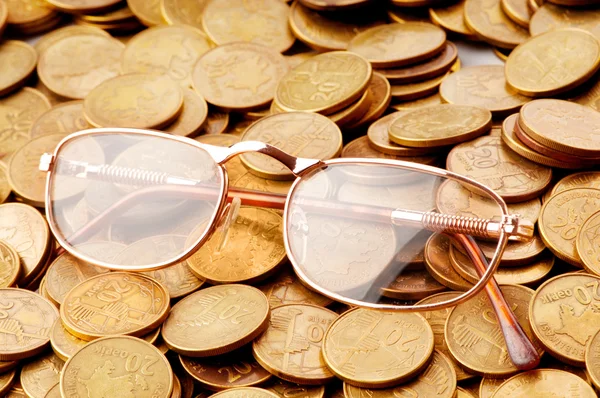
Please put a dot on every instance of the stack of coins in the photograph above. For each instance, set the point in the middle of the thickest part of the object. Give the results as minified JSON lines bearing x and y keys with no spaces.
{"x":371,"y":80}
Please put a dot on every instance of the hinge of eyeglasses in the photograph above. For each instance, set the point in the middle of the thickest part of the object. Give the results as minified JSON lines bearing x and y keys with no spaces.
{"x":46,"y":162}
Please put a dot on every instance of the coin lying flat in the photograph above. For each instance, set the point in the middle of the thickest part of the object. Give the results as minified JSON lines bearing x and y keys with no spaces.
{"x":452,"y":18}
{"x":234,"y":314}
{"x":117,"y":365}
{"x":183,"y":12}
{"x":325,"y":83}
{"x":413,"y":91}
{"x":584,"y":179}
{"x":64,"y":119}
{"x":413,"y":285}
{"x":552,"y":16}
{"x":10,"y":265}
{"x":551,"y":52}
{"x":369,"y":348}
{"x":490,"y":23}
{"x":17,"y":61}
{"x":41,"y":374}
{"x":518,"y":11}
{"x":545,"y":382}
{"x":148,"y":12}
{"x":193,"y":117}
{"x":285,"y":288}
{"x":398,"y":44}
{"x":7,"y":379}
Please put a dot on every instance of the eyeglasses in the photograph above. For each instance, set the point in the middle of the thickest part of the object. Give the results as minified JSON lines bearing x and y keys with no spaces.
{"x":353,"y":229}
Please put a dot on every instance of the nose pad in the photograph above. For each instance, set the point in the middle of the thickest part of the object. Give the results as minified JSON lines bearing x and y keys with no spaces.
{"x":230,"y":215}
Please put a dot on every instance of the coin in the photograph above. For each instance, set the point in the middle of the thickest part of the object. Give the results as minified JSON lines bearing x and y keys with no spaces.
{"x":413,"y":285}
{"x":193,"y":116}
{"x":65,"y":273}
{"x":437,"y":380}
{"x":114,"y":303}
{"x":148,"y":12}
{"x":65,"y":72}
{"x":170,"y":50}
{"x":26,"y":230}
{"x":183,"y":12}
{"x":245,"y":392}
{"x":452,"y":18}
{"x":134,"y":100}
{"x":398,"y":44}
{"x":562,"y":217}
{"x":412,"y":91}
{"x":255,"y":232}
{"x":434,"y":66}
{"x":216,"y":122}
{"x":437,"y":263}
{"x":228,"y":316}
{"x":474,"y":337}
{"x":490,"y":23}
{"x":35,"y":11}
{"x":439,"y":125}
{"x":232,"y":370}
{"x":28,"y":318}
{"x":64,"y":344}
{"x":10,"y":265}
{"x":592,"y":353}
{"x":368,"y":348}
{"x":360,"y":148}
{"x":518,"y":11}
{"x":379,"y":139}
{"x":285,"y":288}
{"x":239,"y":76}
{"x":483,"y":86}
{"x":6,"y":381}
{"x":117,"y":365}
{"x":63,"y":119}
{"x":241,"y":177}
{"x":544,"y":382}
{"x":437,"y":321}
{"x":284,"y":389}
{"x":573,"y":135}
{"x":264,"y":23}
{"x":83,"y":6}
{"x":17,"y":113}
{"x":489,"y":161}
{"x":178,"y":279}
{"x":516,"y":253}
{"x":41,"y":374}
{"x":380,"y":93}
{"x":17,"y":61}
{"x":551,"y":16}
{"x":544,"y":80}
{"x":325,"y":83}
{"x":301,"y":134}
{"x":587,"y":243}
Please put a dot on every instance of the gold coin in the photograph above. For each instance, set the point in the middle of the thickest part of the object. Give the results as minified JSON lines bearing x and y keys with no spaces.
{"x":239,"y":76}
{"x":585,"y":179}
{"x":232,"y":370}
{"x":170,"y":50}
{"x":245,"y":392}
{"x":415,"y":284}
{"x":193,"y":116}
{"x":452,"y":18}
{"x":434,"y":99}
{"x":54,"y":392}
{"x":400,"y":346}
{"x":5,"y":188}
{"x":490,"y":162}
{"x":65,"y":273}
{"x":285,"y":288}
{"x":240,"y":177}
{"x":483,"y":86}
{"x":6,"y":381}
{"x":284,"y":389}
{"x":83,"y":6}
{"x":490,"y":23}
{"x":381,"y":96}
{"x":41,"y":374}
{"x":398,"y":44}
{"x":255,"y":232}
{"x":20,"y":12}
{"x":148,"y":12}
{"x":379,"y":139}
{"x":64,"y":344}
{"x":17,"y":62}
{"x":563,"y":315}
{"x":25,"y":229}
{"x":354,"y":113}
{"x":462,"y":393}
{"x":437,"y":380}
{"x":63,"y":119}
{"x":489,"y":386}
{"x":10,"y":265}
{"x":17,"y":113}
{"x":453,"y":198}
{"x":325,"y":83}
{"x":117,"y":365}
{"x":439,"y":125}
{"x":518,"y":11}
{"x":183,"y":12}
{"x":290,"y":325}
{"x":228,"y":317}
{"x":360,"y":148}
{"x":178,"y":279}
{"x":587,"y":243}
{"x":551,"y":16}
{"x":302,"y":134}
{"x":575,"y":134}
{"x":437,"y":263}
{"x":324,"y":32}
{"x":264,"y":22}
{"x":134,"y":100}
{"x":114,"y":303}
{"x":437,"y":65}
{"x":64,"y":71}
{"x":474,"y":337}
{"x":412,"y":91}
{"x":216,"y":123}
{"x":28,"y":318}
{"x":552,"y":51}
{"x":114,"y":15}
{"x":515,"y":253}
{"x":592,"y":355}
{"x":545,"y":382}
{"x":562,"y":217}
{"x":437,"y":321}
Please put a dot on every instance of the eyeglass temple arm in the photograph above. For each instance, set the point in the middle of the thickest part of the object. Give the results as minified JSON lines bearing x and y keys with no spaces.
{"x":520,"y":349}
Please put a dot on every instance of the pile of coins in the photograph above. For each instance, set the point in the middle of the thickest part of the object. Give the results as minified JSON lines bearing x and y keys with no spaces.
{"x":318,"y":79}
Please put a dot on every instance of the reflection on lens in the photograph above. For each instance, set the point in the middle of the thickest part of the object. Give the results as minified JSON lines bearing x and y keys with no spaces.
{"x":343,"y":242}
{"x":138,"y":198}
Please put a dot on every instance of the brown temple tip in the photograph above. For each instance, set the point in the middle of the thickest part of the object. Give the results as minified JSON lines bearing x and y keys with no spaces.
{"x":521,"y":350}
